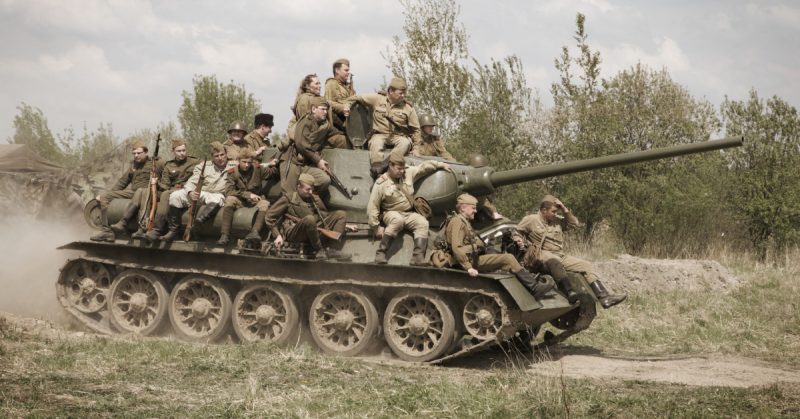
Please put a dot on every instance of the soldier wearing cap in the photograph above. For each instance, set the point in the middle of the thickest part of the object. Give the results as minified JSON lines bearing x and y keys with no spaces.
{"x":172,"y":178}
{"x":392,"y":203}
{"x":244,"y":189}
{"x":394,"y":123}
{"x":310,"y":136}
{"x":467,"y":250}
{"x":137,"y":177}
{"x":236,"y":144}
{"x":257,"y":138}
{"x":431,"y":144}
{"x":542,"y":233}
{"x":337,"y":90}
{"x":307,"y":212}
{"x":212,"y":195}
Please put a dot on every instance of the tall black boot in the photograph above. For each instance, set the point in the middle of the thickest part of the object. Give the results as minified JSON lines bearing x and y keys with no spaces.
{"x":380,"y":255}
{"x":159,"y":227}
{"x":254,"y":236}
{"x":538,"y":285}
{"x":227,"y":222}
{"x":418,"y":255}
{"x":121,"y":226}
{"x":106,"y":234}
{"x":207,"y":212}
{"x":559,"y":274}
{"x":606,"y":300}
{"x":378,"y":169}
{"x":173,"y":223}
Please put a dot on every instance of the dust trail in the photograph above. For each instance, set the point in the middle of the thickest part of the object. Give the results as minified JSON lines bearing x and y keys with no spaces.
{"x":30,"y":262}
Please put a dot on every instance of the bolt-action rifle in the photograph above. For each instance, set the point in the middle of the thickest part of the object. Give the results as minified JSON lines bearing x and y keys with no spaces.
{"x":333,"y":235}
{"x":152,"y":196}
{"x":187,"y":234}
{"x":338,"y":183}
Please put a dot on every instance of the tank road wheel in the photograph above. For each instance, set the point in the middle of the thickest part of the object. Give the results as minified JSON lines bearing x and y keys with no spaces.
{"x":199,"y":309}
{"x":482,"y":317}
{"x":264,"y":313}
{"x":84,"y":286}
{"x":137,"y":302}
{"x":343,"y":321}
{"x":419,"y":326}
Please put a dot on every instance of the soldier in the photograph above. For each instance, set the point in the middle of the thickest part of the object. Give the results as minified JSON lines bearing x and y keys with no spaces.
{"x":337,"y":90}
{"x":257,"y":138}
{"x":212,"y":193}
{"x":243,"y":189}
{"x":392,"y":202}
{"x":394,"y":123}
{"x":467,"y":250}
{"x":236,"y":143}
{"x":543,"y":235}
{"x":310,"y":134}
{"x":174,"y":173}
{"x":430,"y":144}
{"x":138,"y":176}
{"x":306,"y":212}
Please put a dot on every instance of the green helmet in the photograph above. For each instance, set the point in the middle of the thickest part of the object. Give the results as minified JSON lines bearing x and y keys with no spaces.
{"x":477,"y":160}
{"x":237,"y":126}
{"x":427,"y":120}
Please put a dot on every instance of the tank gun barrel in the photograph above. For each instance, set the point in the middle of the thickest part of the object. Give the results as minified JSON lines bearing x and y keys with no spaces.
{"x":510,"y":177}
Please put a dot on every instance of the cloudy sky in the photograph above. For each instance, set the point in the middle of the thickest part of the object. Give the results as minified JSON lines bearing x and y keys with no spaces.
{"x":126,"y":62}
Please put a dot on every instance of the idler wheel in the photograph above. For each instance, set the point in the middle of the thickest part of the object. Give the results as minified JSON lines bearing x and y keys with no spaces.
{"x":84,"y":286}
{"x":199,"y":309}
{"x":265,"y":313}
{"x":137,"y":302}
{"x":483,"y":317}
{"x":419,"y":326}
{"x":343,"y":321}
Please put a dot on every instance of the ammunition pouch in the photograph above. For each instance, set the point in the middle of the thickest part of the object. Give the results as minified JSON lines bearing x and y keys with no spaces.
{"x":441,"y":259}
{"x":422,"y":207}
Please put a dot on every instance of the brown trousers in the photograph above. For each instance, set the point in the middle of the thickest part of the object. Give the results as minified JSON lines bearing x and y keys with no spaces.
{"x":305,"y":230}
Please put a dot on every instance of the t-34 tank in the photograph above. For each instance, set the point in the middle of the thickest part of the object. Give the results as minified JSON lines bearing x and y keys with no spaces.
{"x":200,"y":292}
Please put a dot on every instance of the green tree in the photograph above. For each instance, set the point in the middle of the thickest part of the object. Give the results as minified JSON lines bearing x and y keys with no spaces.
{"x":763,"y":189}
{"x":209,"y":109}
{"x":30,"y":127}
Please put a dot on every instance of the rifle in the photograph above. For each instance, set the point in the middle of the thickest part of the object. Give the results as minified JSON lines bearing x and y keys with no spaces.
{"x":187,"y":234}
{"x":350,"y":87}
{"x":153,"y":196}
{"x":333,"y":235}
{"x":338,"y":184}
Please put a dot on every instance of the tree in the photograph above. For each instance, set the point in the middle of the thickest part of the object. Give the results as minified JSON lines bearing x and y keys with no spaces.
{"x":764,"y":174}
{"x":208,"y":111}
{"x":30,"y":127}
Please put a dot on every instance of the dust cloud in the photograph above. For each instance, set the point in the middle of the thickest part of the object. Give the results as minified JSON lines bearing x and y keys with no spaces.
{"x":30,"y":263}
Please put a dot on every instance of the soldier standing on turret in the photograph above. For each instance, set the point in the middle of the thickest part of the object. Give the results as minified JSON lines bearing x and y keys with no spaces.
{"x":542,"y":234}
{"x":337,"y":90}
{"x":431,"y":144}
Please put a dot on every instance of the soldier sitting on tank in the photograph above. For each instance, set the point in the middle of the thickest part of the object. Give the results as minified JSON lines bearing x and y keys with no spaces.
{"x":467,"y":251}
{"x":236,"y":144}
{"x":391,"y":202}
{"x":244,"y":189}
{"x":257,"y":138}
{"x":542,"y":233}
{"x":310,"y":137}
{"x":430,"y":144}
{"x":211,"y":196}
{"x":303,"y":212}
{"x":137,"y":177}
{"x":174,"y":173}
{"x":394,"y":123}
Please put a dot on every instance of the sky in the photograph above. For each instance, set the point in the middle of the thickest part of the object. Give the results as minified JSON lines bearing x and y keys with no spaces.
{"x":92,"y":62}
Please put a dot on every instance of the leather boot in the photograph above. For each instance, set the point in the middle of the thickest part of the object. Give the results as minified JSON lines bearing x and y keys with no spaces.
{"x":159,"y":225}
{"x":566,"y":288}
{"x":254,"y":236}
{"x":106,"y":234}
{"x":225,"y":231}
{"x":557,"y":271}
{"x":173,"y":223}
{"x":139,"y":234}
{"x":121,"y":226}
{"x":378,"y":169}
{"x":380,"y":255}
{"x":418,"y":255}
{"x":207,"y":212}
{"x":537,"y":284}
{"x":606,"y":300}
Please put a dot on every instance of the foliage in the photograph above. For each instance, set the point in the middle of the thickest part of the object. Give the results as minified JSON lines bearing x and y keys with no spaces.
{"x":168,"y":132}
{"x":764,"y":175}
{"x":209,"y":110}
{"x":31,"y":128}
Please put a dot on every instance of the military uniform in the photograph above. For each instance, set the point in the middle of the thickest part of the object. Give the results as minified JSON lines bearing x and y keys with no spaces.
{"x":337,"y":93}
{"x":310,"y":139}
{"x":432,"y":145}
{"x":255,"y":140}
{"x":213,"y":191}
{"x":137,"y":177}
{"x":239,"y":186}
{"x":467,"y":249}
{"x":395,"y":125}
{"x":309,"y":214}
{"x":173,"y":176}
{"x":233,"y":149}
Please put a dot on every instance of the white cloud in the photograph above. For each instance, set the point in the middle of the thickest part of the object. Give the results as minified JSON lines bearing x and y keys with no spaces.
{"x":668,"y":54}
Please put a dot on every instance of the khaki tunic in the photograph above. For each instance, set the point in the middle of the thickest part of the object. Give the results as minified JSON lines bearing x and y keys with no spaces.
{"x":546,"y":241}
{"x":255,"y":141}
{"x":388,"y":201}
{"x":464,"y":243}
{"x":137,"y":176}
{"x":239,"y":185}
{"x":396,"y":125}
{"x":234,"y":149}
{"x":311,"y":213}
{"x":213,"y":190}
{"x":174,"y":174}
{"x":432,"y":145}
{"x":336,"y":93}
{"x":310,"y":139}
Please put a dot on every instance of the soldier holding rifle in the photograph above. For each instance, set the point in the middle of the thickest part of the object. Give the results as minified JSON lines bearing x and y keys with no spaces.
{"x":175,"y":173}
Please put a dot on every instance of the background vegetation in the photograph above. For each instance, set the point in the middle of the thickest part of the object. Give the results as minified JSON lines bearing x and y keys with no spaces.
{"x":745,"y":198}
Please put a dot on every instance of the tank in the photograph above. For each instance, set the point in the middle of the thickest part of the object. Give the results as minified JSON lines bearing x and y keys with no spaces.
{"x":198,"y":291}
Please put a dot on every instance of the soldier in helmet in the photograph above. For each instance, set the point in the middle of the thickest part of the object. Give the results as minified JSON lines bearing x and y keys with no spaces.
{"x":310,"y":135}
{"x":392,"y":203}
{"x":486,"y":208}
{"x":174,"y":175}
{"x":467,"y":250}
{"x":431,"y":144}
{"x":257,"y":138}
{"x":235,"y":144}
{"x":394,"y":123}
{"x":337,"y":90}
{"x":137,"y":177}
{"x":542,"y":234}
{"x":243,"y":189}
{"x":306,"y":212}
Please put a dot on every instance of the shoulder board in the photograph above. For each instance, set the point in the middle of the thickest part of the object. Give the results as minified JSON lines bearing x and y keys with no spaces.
{"x":381,"y":179}
{"x":409,"y":104}
{"x":329,"y":79}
